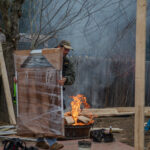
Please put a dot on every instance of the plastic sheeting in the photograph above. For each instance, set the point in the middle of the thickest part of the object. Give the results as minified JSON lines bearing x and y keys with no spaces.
{"x":39,"y":106}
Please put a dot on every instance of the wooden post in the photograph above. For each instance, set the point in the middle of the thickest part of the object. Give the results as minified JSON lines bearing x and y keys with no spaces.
{"x":7,"y":88}
{"x":140,"y":74}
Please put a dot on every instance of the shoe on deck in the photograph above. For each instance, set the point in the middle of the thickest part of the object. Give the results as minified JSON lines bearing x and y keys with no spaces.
{"x":56,"y":146}
{"x":42,"y":144}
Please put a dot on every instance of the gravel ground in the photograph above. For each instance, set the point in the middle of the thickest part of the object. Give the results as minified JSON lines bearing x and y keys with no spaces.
{"x":126,"y":123}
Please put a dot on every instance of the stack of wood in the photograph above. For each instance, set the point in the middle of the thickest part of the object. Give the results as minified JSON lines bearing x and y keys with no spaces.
{"x":7,"y":130}
{"x":81,"y":119}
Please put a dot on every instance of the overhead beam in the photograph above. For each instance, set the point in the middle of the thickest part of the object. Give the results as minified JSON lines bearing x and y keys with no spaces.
{"x":140,"y":74}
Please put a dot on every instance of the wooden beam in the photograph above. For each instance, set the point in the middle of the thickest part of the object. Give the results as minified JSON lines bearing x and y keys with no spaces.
{"x":140,"y":74}
{"x":115,"y":111}
{"x":7,"y":88}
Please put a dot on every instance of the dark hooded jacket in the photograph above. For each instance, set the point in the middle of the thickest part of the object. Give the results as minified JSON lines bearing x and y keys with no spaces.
{"x":68,"y":71}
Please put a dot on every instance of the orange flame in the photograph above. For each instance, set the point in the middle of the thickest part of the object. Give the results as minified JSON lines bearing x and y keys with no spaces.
{"x":75,"y":104}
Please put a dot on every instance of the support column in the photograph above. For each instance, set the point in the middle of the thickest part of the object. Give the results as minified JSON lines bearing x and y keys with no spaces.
{"x":140,"y":75}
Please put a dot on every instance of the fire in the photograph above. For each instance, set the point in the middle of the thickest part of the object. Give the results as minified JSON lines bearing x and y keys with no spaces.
{"x":75,"y":104}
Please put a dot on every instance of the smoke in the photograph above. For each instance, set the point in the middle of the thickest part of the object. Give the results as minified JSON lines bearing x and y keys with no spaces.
{"x":104,"y":50}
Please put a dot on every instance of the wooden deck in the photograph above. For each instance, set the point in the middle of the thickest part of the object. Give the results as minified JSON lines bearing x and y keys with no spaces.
{"x":73,"y":145}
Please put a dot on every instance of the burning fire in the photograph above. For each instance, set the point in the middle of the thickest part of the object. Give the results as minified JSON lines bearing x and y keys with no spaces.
{"x":76,"y":107}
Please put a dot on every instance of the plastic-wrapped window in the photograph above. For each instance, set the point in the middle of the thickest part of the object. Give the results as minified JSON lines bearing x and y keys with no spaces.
{"x":39,"y":106}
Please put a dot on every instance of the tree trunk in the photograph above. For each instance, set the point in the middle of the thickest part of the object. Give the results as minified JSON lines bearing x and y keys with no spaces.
{"x":11,"y":12}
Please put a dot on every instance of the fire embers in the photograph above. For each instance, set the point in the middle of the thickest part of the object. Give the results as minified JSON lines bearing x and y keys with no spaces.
{"x":101,"y":135}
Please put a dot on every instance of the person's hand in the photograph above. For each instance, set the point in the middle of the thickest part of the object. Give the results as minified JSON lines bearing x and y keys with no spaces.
{"x":62,"y":81}
{"x":15,"y":80}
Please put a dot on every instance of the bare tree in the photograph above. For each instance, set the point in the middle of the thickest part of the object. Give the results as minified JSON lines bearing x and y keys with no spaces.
{"x":50,"y":17}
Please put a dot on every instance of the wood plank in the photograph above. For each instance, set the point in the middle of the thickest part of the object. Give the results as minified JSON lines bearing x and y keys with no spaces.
{"x":140,"y":74}
{"x":53,"y":55}
{"x":125,"y":109}
{"x":116,"y":111}
{"x":114,"y":130}
{"x":83,"y":119}
{"x":7,"y":126}
{"x":120,"y":109}
{"x":106,"y":112}
{"x":21,"y":138}
{"x":12,"y":132}
{"x":132,"y":109}
{"x":22,"y":52}
{"x":7,"y":88}
{"x":99,"y":112}
{"x":147,"y":108}
{"x":69,"y":120}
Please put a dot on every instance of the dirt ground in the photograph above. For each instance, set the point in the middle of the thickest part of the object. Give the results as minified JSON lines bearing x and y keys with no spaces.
{"x":126,"y":123}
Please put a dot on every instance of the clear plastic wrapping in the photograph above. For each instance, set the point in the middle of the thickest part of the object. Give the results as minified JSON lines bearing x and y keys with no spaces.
{"x":39,"y":96}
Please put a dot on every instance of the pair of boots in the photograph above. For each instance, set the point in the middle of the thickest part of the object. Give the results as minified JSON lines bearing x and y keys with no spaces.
{"x":42,"y":143}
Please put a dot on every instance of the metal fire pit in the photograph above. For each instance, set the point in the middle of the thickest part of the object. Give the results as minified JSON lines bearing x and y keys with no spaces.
{"x":77,"y":132}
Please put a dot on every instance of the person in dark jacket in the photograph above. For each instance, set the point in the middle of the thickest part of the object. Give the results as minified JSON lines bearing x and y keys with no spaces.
{"x":68,"y":74}
{"x":68,"y":68}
